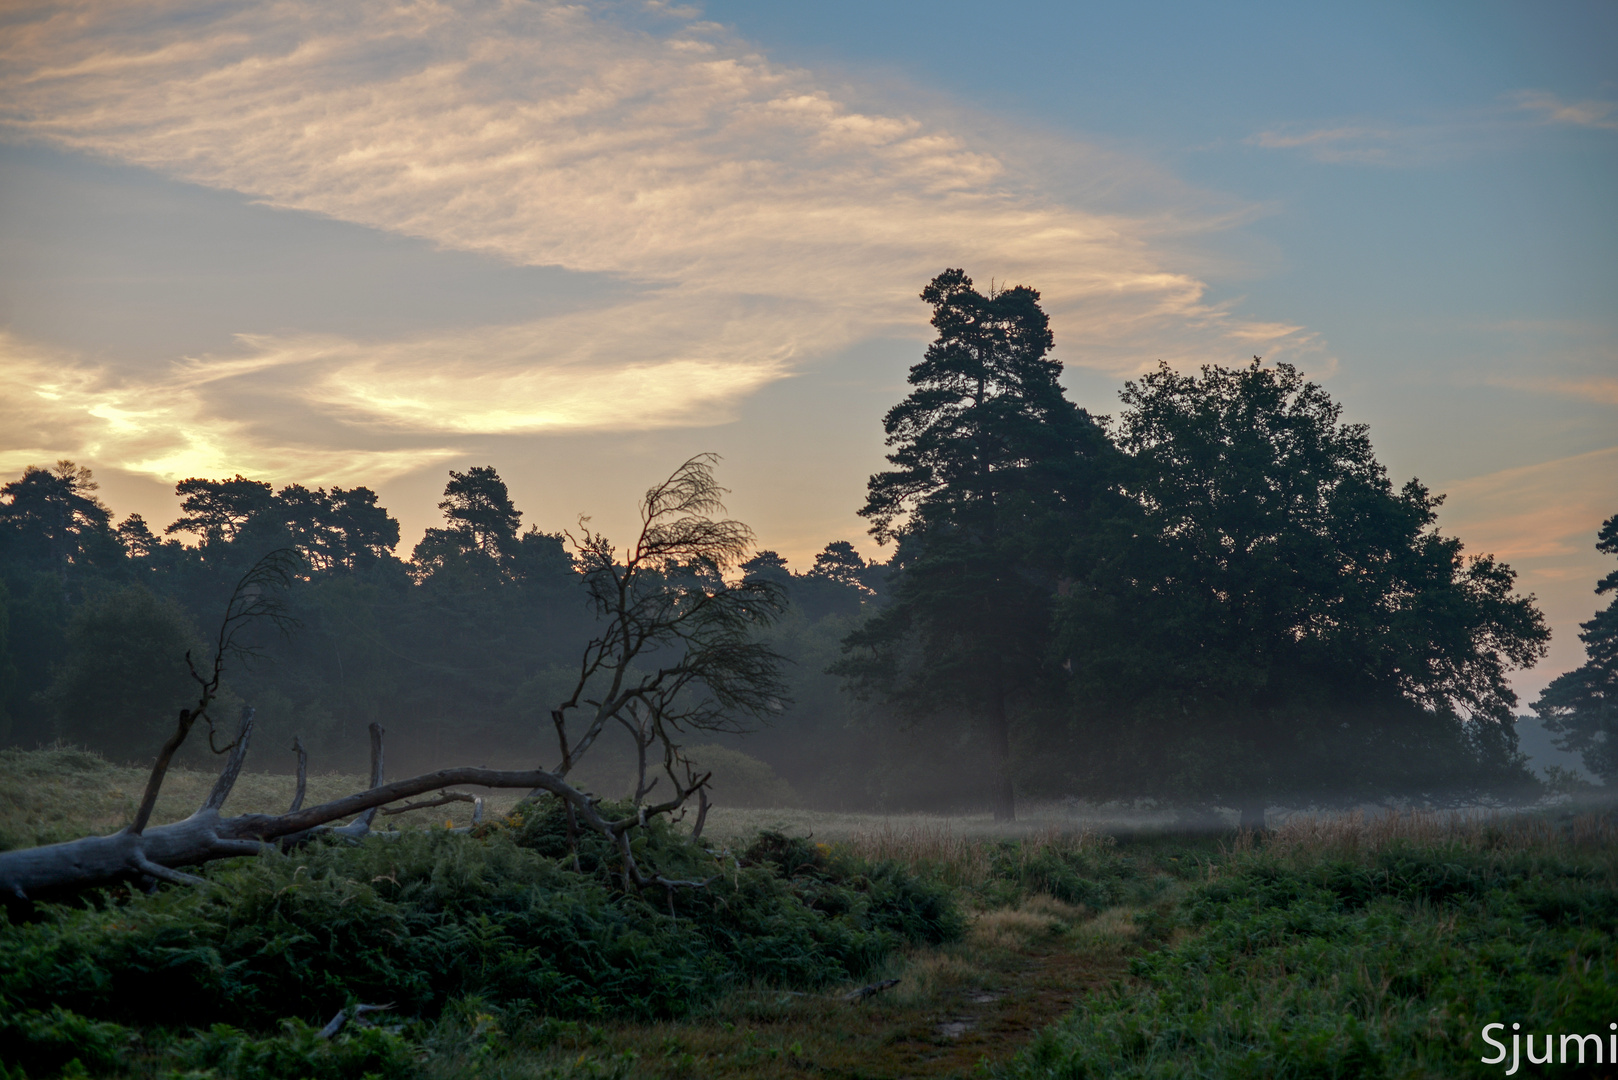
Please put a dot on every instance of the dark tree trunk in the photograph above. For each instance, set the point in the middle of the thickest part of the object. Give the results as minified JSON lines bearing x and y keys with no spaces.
{"x":1253,"y":813}
{"x":1004,"y":799}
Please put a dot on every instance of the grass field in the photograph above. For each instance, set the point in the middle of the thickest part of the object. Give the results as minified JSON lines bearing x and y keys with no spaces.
{"x":62,"y":793}
{"x":1335,"y":946}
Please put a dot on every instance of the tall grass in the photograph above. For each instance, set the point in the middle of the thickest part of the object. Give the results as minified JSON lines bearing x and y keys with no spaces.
{"x":1475,"y":830}
{"x":939,"y":849}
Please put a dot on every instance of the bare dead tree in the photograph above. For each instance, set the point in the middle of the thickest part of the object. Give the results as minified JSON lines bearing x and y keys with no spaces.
{"x":678,"y":648}
{"x":678,"y":653}
{"x":158,"y":851}
{"x":257,"y":597}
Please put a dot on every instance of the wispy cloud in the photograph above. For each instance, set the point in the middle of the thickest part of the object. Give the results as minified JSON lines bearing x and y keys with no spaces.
{"x":1348,"y":143}
{"x":169,"y":425}
{"x":1596,"y":388}
{"x":1548,"y":509}
{"x":1389,"y":143}
{"x":763,"y":218}
{"x":1437,"y":138}
{"x":1553,"y":110}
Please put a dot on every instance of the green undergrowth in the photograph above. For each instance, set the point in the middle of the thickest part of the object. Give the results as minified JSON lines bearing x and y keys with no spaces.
{"x":1340,"y":964}
{"x":234,"y":978}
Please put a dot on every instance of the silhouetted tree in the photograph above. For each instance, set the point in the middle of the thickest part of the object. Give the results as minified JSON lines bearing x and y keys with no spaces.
{"x":1271,"y":618}
{"x":360,"y":531}
{"x":677,"y":647}
{"x":50,"y":520}
{"x":1582,"y":705}
{"x":137,"y":537}
{"x":839,"y":562}
{"x":478,"y":508}
{"x":768,"y":566}
{"x":991,"y":463}
{"x":216,"y":510}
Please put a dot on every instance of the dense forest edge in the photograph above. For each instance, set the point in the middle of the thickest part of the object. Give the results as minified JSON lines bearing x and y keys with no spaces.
{"x":1215,"y":600}
{"x":1215,"y":597}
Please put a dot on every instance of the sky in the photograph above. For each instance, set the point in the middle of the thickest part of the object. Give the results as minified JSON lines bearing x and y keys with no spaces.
{"x":366,"y":243}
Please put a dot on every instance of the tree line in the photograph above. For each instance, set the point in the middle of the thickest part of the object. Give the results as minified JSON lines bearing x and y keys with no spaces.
{"x":1216,"y":597}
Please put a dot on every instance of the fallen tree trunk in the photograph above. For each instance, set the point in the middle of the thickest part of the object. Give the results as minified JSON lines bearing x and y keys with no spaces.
{"x":156,"y":853}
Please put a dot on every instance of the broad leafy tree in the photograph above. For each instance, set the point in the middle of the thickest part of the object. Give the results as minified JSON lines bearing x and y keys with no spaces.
{"x":1269,"y":618}
{"x":1581,"y":706}
{"x":991,"y":465}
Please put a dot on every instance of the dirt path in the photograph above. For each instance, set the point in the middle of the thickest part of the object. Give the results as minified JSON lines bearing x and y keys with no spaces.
{"x":979,"y":1024}
{"x":956,"y":1007}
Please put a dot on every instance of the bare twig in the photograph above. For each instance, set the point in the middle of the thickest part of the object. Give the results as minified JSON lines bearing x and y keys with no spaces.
{"x":256,"y":596}
{"x":444,"y":799}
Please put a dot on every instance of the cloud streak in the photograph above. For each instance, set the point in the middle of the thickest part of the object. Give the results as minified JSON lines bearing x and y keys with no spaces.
{"x":1545,"y":510}
{"x":1553,"y":110}
{"x":761,"y":217}
{"x":169,"y":426}
{"x":1362,"y":142}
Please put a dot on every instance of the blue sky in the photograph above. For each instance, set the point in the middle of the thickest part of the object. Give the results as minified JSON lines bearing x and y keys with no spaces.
{"x":366,"y":243}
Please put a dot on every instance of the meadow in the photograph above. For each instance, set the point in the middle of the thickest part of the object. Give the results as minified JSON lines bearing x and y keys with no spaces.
{"x":1067,"y":946}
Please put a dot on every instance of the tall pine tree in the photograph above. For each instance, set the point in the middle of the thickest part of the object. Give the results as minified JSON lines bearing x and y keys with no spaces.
{"x":993,"y":468}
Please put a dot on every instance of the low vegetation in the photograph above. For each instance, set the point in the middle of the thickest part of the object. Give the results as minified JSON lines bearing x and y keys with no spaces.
{"x":1338,"y":946}
{"x":1361,"y":952}
{"x":235,"y":976}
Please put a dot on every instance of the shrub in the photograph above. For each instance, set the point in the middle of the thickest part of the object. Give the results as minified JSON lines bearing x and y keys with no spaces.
{"x":275,"y":944}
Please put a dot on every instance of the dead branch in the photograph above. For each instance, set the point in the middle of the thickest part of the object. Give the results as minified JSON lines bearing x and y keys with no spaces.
{"x":361,"y":825}
{"x":233,"y":765}
{"x":303,"y":774}
{"x":160,"y":768}
{"x":443,"y":799}
{"x":255,"y":597}
{"x":206,"y":836}
{"x":668,"y":598}
{"x":702,"y":812}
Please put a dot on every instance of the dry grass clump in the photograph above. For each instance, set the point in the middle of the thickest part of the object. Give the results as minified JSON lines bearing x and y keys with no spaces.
{"x":1011,"y":928}
{"x":1358,"y":831}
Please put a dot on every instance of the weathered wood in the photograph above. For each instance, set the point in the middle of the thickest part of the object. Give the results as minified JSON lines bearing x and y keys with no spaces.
{"x":233,"y":764}
{"x":303,"y":774}
{"x":206,"y":836}
{"x":443,"y":799}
